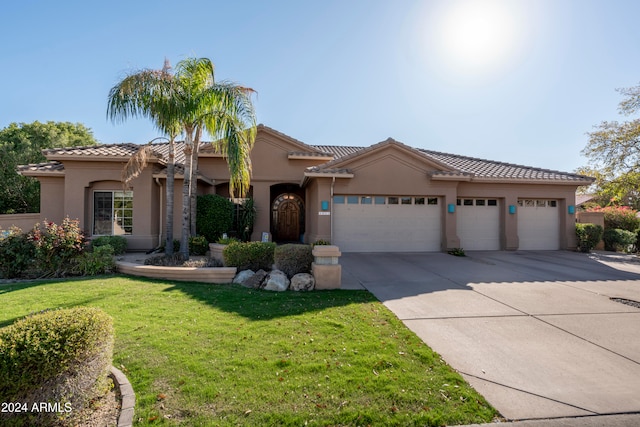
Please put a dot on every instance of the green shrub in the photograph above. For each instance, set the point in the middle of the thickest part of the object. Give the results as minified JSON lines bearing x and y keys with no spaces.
{"x":118,"y":243}
{"x":249,"y":255}
{"x":617,"y":239}
{"x":293,"y":258}
{"x":57,"y":246}
{"x":198,"y":245}
{"x":98,"y":261}
{"x":59,"y":356}
{"x":227,"y":240}
{"x":589,"y":235}
{"x":246,"y":218}
{"x":17,"y":253}
{"x":214,"y":216}
{"x":622,"y":217}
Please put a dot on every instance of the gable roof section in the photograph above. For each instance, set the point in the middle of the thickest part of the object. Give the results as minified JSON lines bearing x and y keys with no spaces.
{"x":352,"y":153}
{"x":453,"y":166}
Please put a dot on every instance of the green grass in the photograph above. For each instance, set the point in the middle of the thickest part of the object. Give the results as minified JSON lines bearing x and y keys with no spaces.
{"x":200,"y":355}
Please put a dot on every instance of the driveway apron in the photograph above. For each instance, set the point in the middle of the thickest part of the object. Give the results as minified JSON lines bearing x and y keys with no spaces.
{"x":536,"y":333}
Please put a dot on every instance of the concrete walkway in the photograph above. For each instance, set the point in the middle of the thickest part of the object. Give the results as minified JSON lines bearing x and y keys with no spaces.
{"x":536,"y":333}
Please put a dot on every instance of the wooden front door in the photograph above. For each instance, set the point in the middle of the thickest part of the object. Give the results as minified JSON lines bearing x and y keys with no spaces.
{"x":288,"y":227}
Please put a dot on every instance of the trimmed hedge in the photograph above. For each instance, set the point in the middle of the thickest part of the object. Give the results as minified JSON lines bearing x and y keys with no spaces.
{"x":293,"y":258}
{"x":589,"y":235}
{"x":59,"y":356}
{"x":214,"y":216}
{"x":249,"y":256}
{"x":118,"y":243}
{"x":618,"y":240}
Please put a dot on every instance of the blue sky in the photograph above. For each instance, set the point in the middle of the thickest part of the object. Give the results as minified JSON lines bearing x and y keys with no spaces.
{"x":520,"y":81}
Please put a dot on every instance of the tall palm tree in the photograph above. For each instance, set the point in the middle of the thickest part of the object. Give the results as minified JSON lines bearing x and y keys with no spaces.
{"x":193,"y":102}
{"x":147,"y":93}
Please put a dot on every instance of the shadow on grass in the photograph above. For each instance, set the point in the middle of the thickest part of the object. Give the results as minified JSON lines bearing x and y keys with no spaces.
{"x":264,"y":305}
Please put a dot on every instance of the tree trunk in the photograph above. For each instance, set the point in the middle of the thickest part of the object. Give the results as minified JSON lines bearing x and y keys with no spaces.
{"x":168,"y":247}
{"x":194,"y":180}
{"x":186,"y":203}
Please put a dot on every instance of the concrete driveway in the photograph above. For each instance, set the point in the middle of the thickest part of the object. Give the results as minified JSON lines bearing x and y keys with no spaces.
{"x":536,"y":333}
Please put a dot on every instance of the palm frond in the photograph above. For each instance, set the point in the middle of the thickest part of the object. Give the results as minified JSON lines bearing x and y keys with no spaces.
{"x":137,"y":163}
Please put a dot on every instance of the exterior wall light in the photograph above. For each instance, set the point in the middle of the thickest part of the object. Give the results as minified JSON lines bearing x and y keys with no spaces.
{"x":512,"y":209}
{"x":324,"y":205}
{"x":572,"y":209}
{"x":451,"y":208}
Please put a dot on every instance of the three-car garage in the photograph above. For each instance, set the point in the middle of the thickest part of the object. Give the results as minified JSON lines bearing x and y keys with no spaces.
{"x":370,"y":223}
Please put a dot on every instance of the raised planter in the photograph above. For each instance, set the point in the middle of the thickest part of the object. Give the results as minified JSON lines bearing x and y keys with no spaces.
{"x":216,"y":251}
{"x":184,"y":274}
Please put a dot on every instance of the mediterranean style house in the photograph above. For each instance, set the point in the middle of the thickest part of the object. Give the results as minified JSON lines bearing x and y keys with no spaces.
{"x":385,"y":197}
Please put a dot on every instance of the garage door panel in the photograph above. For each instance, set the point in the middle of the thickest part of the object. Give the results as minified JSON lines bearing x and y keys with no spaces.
{"x":478,"y":226}
{"x":387,"y":228}
{"x":538,"y":225}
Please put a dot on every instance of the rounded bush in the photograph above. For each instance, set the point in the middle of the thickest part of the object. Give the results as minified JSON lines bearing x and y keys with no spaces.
{"x":198,"y":245}
{"x":249,"y":256}
{"x":293,"y":259}
{"x":98,"y":261}
{"x":618,"y":240}
{"x":589,"y":235}
{"x":60,"y":356}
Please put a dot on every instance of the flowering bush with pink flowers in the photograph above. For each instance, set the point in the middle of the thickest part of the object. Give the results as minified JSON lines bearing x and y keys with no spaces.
{"x":621,"y":217}
{"x":57,"y":246}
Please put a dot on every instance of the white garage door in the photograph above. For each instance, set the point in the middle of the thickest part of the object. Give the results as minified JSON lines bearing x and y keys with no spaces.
{"x":478,"y":224}
{"x":386,"y":224}
{"x":538,"y":224}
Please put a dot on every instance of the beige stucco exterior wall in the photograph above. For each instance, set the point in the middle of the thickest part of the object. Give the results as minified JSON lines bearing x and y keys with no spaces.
{"x":52,"y":198}
{"x":73,"y":196}
{"x":25,"y":222}
{"x":271,"y":166}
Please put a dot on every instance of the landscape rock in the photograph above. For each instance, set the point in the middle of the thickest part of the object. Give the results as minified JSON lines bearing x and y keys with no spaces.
{"x":256,"y":280}
{"x":242,"y":276}
{"x":276,"y":281}
{"x":302,"y":282}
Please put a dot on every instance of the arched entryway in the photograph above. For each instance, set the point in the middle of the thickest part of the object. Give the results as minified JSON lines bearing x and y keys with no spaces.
{"x":287,"y":214}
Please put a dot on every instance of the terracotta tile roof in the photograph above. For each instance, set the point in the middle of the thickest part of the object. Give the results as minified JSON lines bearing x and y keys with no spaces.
{"x":481,"y":168}
{"x":459,"y":166}
{"x":37,"y":168}
{"x":108,"y":150}
{"x":337,"y":150}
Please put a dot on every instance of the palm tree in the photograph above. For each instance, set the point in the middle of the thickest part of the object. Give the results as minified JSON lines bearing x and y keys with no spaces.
{"x":193,"y":102}
{"x":147,"y":93}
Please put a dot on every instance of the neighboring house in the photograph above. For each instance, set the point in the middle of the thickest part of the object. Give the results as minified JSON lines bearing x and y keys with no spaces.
{"x":386,"y":197}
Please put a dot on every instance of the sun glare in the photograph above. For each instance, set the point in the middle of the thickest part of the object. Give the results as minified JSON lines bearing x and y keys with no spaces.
{"x":476,"y":37}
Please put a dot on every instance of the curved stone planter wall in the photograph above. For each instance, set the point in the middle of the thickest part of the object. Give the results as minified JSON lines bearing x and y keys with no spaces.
{"x":185,"y":274}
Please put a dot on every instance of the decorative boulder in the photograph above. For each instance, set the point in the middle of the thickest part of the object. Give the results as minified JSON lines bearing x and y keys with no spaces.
{"x":242,"y":276}
{"x":256,"y":280}
{"x":276,"y":281}
{"x":302,"y":282}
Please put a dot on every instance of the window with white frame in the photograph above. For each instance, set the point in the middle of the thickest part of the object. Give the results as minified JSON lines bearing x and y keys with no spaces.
{"x":112,"y":213}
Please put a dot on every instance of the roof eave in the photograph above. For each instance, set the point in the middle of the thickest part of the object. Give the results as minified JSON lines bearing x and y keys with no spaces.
{"x":298,"y":156}
{"x":548,"y":181}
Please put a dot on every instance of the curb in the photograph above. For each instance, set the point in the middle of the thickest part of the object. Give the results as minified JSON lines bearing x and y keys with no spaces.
{"x":127,"y":396}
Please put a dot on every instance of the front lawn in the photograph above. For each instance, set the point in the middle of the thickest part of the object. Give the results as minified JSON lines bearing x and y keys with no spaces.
{"x":201,"y":355}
